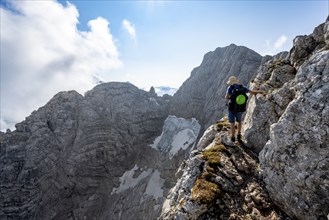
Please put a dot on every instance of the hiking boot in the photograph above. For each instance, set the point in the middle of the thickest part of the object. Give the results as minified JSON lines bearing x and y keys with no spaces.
{"x":239,"y":137}
{"x":233,"y":139}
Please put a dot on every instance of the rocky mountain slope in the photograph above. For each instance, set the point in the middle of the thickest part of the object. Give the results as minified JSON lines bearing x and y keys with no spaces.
{"x":288,"y":127}
{"x":65,"y":159}
{"x":114,"y":153}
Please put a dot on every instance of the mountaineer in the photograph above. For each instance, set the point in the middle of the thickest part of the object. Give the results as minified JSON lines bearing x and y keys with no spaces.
{"x":237,"y":103}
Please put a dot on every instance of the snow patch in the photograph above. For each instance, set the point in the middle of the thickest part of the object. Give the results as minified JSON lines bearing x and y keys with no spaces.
{"x":177,"y":133}
{"x":128,"y":181}
{"x":166,"y":206}
{"x":182,"y":140}
{"x":155,"y":143}
{"x":154,"y":186}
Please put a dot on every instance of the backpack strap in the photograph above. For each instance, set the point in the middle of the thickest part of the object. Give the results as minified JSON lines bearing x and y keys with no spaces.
{"x":232,"y":90}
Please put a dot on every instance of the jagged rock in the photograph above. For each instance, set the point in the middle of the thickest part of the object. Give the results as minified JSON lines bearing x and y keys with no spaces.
{"x":291,"y":121}
{"x":258,"y":119}
{"x":189,"y":170}
{"x":207,"y":138}
{"x":326,"y":32}
{"x":305,"y":45}
{"x":295,"y":160}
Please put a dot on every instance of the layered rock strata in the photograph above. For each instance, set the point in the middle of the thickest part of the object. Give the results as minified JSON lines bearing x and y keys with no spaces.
{"x":87,"y":157}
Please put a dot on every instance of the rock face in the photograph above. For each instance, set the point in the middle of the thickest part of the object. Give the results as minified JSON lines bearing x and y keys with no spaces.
{"x":291,"y":123}
{"x":88,"y":157}
{"x":202,"y":95}
{"x":274,"y":76}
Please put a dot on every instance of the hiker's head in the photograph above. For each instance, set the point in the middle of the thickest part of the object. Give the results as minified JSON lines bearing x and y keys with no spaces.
{"x":232,"y":80}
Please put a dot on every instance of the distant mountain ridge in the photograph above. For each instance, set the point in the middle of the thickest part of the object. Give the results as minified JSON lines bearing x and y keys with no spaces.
{"x":119,"y":152}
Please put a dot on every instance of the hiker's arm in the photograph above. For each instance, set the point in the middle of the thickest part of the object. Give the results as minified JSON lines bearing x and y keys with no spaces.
{"x":254,"y":92}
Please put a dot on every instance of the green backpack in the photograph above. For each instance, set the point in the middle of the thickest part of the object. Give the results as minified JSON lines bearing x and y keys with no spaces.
{"x":238,"y":99}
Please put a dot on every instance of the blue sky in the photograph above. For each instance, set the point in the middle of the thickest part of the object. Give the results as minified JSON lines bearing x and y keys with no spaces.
{"x":51,"y":46}
{"x":173,"y":36}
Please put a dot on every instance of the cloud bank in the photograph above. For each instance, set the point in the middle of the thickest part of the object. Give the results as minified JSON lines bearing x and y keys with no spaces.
{"x":43,"y":52}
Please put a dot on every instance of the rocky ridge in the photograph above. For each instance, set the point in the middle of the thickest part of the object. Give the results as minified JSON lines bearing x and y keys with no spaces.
{"x":287,"y":129}
{"x":292,"y":120}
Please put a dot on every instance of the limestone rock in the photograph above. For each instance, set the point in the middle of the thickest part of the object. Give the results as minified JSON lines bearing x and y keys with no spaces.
{"x":291,"y":121}
{"x":274,"y":76}
{"x":295,"y":160}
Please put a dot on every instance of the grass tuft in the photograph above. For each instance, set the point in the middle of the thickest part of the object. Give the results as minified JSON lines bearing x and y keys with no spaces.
{"x":223,"y":123}
{"x":212,"y":155}
{"x":205,"y":192}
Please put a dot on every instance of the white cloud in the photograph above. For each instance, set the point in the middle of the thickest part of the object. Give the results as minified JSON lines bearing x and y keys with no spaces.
{"x":42,"y":53}
{"x":277,"y":46}
{"x":279,"y":43}
{"x":129,"y":27}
